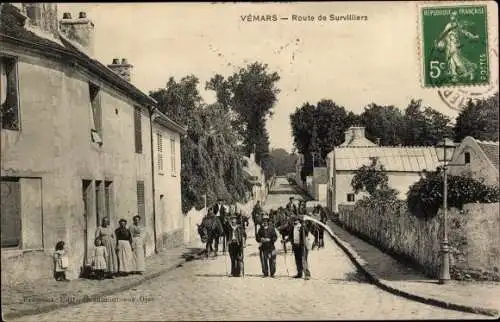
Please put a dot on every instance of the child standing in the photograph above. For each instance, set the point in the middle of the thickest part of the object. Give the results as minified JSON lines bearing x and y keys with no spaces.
{"x":99,"y":260}
{"x":60,"y":263}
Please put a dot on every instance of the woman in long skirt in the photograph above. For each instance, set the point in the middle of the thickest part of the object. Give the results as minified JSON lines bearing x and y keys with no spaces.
{"x":107,"y":236}
{"x":138,"y":245}
{"x":126,"y":261}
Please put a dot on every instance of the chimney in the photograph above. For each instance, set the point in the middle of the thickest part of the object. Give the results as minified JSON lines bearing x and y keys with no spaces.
{"x":79,"y":30}
{"x":122,"y":68}
{"x":348,"y":136}
{"x":42,"y":16}
{"x":358,"y":132}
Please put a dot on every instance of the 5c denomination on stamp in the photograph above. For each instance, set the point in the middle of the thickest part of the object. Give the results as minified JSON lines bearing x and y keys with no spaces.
{"x":455,"y":46}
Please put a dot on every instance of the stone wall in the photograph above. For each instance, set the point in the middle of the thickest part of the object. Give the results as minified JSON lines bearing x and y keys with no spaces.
{"x":473,"y":233}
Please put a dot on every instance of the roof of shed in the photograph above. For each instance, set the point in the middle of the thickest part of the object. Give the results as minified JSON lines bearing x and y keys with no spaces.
{"x":401,"y":159}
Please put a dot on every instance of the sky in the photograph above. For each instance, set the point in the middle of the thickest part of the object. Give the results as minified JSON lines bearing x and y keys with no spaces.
{"x":354,"y":63}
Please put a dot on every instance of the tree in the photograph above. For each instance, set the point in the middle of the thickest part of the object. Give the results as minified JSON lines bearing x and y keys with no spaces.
{"x":424,"y":127}
{"x":369,"y":178}
{"x":283,"y":161}
{"x":250,"y":94}
{"x":318,"y":129}
{"x":211,"y":161}
{"x":383,"y":122}
{"x":479,"y":120}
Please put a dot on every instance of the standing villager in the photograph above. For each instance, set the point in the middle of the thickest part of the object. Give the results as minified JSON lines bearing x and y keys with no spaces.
{"x":125,"y":256}
{"x":266,"y":237}
{"x":99,"y":259}
{"x":138,"y":237}
{"x":61,"y":262}
{"x":236,"y":243}
{"x":291,"y":205}
{"x":300,"y":246}
{"x":107,"y":236}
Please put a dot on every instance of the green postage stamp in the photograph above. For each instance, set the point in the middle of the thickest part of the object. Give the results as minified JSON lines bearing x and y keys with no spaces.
{"x":455,"y":46}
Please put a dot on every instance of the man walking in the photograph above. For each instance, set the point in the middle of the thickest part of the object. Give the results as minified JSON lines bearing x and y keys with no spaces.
{"x":266,"y":237}
{"x":236,"y":243}
{"x":299,"y":237}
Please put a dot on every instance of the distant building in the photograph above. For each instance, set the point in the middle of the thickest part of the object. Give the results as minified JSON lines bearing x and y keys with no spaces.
{"x":255,"y":175}
{"x":476,"y":159}
{"x":403,"y":166}
{"x":76,"y":145}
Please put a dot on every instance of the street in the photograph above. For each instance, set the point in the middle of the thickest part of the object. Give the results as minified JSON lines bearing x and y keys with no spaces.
{"x":201,"y":290}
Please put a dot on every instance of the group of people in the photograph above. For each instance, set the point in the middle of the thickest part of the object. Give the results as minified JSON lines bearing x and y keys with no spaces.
{"x":288,"y":222}
{"x":117,"y":252}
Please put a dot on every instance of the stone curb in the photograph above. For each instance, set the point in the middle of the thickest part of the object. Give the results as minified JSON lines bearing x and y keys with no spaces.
{"x":375,"y":279}
{"x":88,"y":298}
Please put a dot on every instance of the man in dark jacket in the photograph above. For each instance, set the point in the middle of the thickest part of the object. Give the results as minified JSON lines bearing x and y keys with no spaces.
{"x":236,"y":243}
{"x":299,"y":237}
{"x":266,"y":237}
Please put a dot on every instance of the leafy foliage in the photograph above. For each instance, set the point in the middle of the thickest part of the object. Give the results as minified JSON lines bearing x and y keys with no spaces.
{"x":211,"y":158}
{"x":250,"y":94}
{"x":425,"y":197}
{"x":283,"y":161}
{"x":383,"y":122}
{"x":479,"y":120}
{"x":318,"y":129}
{"x":424,"y":126}
{"x":369,"y":178}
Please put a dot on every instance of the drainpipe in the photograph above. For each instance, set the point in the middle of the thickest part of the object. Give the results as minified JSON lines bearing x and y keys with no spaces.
{"x":152,"y":110}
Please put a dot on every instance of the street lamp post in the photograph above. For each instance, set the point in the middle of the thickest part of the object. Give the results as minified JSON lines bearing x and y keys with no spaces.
{"x":445,"y":150}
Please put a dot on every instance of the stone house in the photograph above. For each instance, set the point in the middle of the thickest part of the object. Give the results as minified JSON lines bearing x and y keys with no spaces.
{"x":77,"y":144}
{"x":403,"y":166}
{"x":477,"y":159}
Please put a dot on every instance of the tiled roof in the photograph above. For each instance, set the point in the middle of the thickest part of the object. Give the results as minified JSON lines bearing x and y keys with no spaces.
{"x":405,"y":159}
{"x":490,"y":149}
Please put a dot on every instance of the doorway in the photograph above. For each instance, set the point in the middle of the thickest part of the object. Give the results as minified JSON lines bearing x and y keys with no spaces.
{"x":87,"y":204}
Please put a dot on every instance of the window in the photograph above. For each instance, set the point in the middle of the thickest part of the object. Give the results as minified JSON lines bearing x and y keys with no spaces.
{"x":99,"y":211}
{"x":10,"y":207}
{"x":159,"y":148}
{"x":137,"y":130}
{"x":172,"y":155}
{"x":9,"y":111}
{"x":467,"y":157}
{"x":140,"y":201}
{"x":108,"y":199}
{"x":350,"y":197}
{"x":95,"y":102}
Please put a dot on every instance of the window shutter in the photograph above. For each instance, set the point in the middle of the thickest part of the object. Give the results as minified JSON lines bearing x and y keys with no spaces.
{"x":137,"y":130}
{"x":10,"y":198}
{"x":140,"y":200}
{"x":172,"y":155}
{"x":159,"y":143}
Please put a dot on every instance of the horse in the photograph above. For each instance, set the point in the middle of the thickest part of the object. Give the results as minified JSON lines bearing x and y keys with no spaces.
{"x":283,"y":223}
{"x":210,"y":230}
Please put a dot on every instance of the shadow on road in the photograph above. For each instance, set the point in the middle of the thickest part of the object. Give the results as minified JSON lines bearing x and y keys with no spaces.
{"x":192,"y":253}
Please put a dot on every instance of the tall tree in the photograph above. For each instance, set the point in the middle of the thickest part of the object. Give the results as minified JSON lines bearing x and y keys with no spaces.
{"x":424,"y":126}
{"x":211,"y":162}
{"x":383,"y":122}
{"x":479,"y":120}
{"x":251,"y":94}
{"x":318,"y":129}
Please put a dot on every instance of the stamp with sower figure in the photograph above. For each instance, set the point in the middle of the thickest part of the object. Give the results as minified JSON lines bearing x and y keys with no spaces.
{"x":455,"y":46}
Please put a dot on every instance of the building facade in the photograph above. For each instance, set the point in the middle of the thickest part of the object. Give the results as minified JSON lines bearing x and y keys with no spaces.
{"x":403,"y":166}
{"x":75,"y":144}
{"x":476,"y":159}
